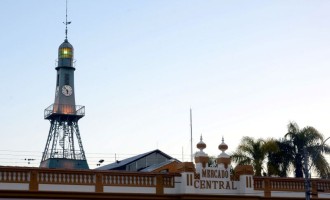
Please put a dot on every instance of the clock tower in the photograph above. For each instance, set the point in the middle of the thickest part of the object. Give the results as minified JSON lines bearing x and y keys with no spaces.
{"x":64,"y":147}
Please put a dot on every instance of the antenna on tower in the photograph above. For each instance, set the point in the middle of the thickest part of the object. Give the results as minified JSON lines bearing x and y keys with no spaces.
{"x":66,"y":20}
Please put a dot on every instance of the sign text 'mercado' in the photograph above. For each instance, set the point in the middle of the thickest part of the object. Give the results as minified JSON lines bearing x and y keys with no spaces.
{"x":214,"y":173}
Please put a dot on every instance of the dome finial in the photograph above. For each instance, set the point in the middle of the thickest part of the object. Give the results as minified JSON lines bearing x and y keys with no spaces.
{"x":66,"y":21}
{"x":201,"y":145}
{"x":223,"y":158}
{"x":223,"y":146}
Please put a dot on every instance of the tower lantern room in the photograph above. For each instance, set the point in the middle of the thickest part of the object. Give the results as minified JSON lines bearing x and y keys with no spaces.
{"x":65,"y":54}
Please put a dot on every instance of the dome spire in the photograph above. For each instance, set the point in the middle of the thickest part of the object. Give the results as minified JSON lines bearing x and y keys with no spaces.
{"x":201,"y":158}
{"x":66,"y":21}
{"x":223,"y":158}
{"x":201,"y":145}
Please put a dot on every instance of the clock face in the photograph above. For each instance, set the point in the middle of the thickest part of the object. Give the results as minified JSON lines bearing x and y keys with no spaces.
{"x":67,"y":90}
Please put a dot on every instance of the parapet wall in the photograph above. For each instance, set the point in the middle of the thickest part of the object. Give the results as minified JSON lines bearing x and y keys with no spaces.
{"x":208,"y":183}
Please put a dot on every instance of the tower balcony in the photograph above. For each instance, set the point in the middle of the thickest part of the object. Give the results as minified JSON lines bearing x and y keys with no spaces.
{"x":71,"y":111}
{"x":65,"y":62}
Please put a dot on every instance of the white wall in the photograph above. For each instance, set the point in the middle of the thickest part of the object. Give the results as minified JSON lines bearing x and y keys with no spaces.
{"x":66,"y":188}
{"x":118,"y":189}
{"x":287,"y":194}
{"x":14,"y":186}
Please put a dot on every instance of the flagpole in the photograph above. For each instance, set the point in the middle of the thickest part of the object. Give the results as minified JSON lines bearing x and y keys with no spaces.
{"x":191,"y":148}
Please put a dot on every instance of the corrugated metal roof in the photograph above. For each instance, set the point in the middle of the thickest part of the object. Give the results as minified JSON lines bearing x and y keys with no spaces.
{"x":155,"y":166}
{"x":130,"y":160}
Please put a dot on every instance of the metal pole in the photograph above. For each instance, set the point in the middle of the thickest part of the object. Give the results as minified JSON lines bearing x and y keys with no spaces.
{"x":306,"y":171}
{"x":307,"y":181}
{"x":191,"y":149}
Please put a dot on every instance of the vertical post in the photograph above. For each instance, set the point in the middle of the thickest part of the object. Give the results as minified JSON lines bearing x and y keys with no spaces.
{"x":307,"y":190}
{"x":314,"y":190}
{"x":34,"y":186}
{"x":159,"y":184}
{"x":98,"y":184}
{"x":191,"y":149}
{"x":267,"y":189}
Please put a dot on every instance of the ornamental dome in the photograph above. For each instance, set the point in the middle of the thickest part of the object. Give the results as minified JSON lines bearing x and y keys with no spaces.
{"x":223,"y":158}
{"x":200,"y":156}
{"x":223,"y":146}
{"x":201,"y":145}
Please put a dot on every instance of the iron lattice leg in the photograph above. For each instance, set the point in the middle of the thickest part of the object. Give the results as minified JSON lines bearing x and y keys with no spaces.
{"x":52,"y":138}
{"x":55,"y":138}
{"x":72,"y":143}
{"x":50,"y":135}
{"x":75,"y":125}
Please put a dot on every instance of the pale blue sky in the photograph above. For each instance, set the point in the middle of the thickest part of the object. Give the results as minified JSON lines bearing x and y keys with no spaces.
{"x":245,"y":68}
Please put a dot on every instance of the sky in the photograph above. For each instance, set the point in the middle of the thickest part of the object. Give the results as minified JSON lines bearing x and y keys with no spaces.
{"x":245,"y":68}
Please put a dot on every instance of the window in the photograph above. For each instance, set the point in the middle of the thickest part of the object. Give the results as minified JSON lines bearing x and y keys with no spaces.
{"x":65,"y":52}
{"x":66,"y":79}
{"x":57,"y":80}
{"x":141,"y":164}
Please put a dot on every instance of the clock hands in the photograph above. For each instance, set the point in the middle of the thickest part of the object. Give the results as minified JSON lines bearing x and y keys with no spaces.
{"x":67,"y":90}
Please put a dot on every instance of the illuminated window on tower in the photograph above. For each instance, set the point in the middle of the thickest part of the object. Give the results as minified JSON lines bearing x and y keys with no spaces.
{"x":66,"y":52}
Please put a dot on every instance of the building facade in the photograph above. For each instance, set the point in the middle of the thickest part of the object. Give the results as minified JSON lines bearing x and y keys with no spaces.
{"x":188,"y":181}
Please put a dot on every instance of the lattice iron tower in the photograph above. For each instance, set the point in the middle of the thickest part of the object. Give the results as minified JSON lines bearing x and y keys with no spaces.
{"x":64,"y":147}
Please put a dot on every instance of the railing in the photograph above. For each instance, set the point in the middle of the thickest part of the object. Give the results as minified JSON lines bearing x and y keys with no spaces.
{"x":66,"y":178}
{"x":287,"y":185}
{"x":323,"y":186}
{"x":135,"y":180}
{"x":72,"y":65}
{"x":36,"y":176}
{"x":168,"y":181}
{"x":63,"y":109}
{"x":39,"y":177}
{"x":259,"y":184}
{"x":279,"y":184}
{"x":67,"y":154}
{"x":14,"y":176}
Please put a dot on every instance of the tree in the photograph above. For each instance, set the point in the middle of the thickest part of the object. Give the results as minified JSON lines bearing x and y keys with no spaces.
{"x":253,"y":152}
{"x":279,"y":161}
{"x":212,"y":161}
{"x":310,"y":139}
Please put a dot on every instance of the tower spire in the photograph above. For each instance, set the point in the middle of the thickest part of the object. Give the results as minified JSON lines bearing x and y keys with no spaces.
{"x":66,"y":20}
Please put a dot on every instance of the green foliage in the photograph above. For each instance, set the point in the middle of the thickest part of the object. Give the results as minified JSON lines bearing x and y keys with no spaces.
{"x":253,"y":152}
{"x":212,"y":161}
{"x":279,"y":157}
{"x":312,"y":140}
{"x":279,"y":161}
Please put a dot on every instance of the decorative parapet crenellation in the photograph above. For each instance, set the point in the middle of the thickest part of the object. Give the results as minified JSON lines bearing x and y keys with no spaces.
{"x":186,"y":167}
{"x":243,"y":170}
